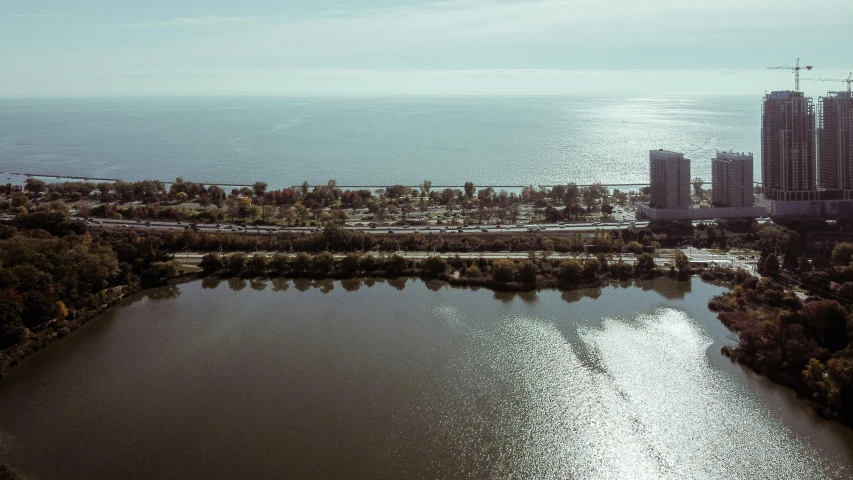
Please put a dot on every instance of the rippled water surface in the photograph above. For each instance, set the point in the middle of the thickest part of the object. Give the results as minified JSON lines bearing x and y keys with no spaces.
{"x":406,"y":379}
{"x":373,"y":141}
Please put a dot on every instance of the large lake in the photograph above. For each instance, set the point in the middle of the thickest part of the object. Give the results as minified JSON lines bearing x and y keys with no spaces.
{"x":373,"y":140}
{"x":405,"y":379}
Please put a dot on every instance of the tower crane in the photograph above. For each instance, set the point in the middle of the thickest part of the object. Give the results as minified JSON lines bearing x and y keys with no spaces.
{"x":796,"y":68}
{"x":848,"y":80}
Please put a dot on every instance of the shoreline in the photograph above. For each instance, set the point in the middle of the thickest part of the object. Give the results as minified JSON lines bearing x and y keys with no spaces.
{"x":55,"y":331}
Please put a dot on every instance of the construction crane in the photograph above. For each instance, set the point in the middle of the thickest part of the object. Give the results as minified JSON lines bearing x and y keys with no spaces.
{"x":848,"y":80}
{"x":796,"y":68}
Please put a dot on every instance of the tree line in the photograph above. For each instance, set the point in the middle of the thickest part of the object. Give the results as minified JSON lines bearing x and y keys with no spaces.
{"x":319,"y":204}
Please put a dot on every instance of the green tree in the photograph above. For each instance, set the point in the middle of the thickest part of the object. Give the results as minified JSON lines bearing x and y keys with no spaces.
{"x":302,"y":263}
{"x":259,"y":189}
{"x":682,"y":263}
{"x":435,"y":266}
{"x":35,"y":186}
{"x":324,"y":263}
{"x":570,"y":271}
{"x":470,"y":189}
{"x":258,"y":264}
{"x":527,"y":272}
{"x":211,"y":262}
{"x":237,"y":263}
{"x":771,"y":265}
{"x":216,"y":195}
{"x":842,"y":254}
{"x":645,"y":264}
{"x":503,"y":270}
{"x":350,"y":263}
{"x":697,"y":186}
{"x":426,"y":187}
{"x":159,"y":272}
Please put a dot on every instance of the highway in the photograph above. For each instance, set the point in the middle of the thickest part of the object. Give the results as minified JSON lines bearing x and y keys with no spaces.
{"x":378,"y":230}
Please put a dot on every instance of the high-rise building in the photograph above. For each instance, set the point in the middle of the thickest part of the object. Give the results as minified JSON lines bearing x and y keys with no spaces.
{"x":835,"y":142}
{"x":731,"y":179}
{"x":669,"y":175}
{"x":788,"y":154}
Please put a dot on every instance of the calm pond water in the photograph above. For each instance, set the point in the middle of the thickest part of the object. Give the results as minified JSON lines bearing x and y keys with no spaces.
{"x":406,"y":379}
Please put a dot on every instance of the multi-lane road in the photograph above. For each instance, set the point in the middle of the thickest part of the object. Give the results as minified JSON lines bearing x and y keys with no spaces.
{"x":395,"y":229}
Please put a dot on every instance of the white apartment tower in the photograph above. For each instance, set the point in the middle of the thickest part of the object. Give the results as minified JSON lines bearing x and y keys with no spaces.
{"x":731,"y":178}
{"x":669,"y":175}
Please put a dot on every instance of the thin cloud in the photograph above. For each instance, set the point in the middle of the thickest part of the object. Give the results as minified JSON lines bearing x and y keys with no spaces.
{"x":35,"y":15}
{"x":197,"y":22}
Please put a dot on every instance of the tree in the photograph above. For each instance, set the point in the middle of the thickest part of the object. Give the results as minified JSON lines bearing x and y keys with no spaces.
{"x":259,"y":189}
{"x":828,"y":320}
{"x":682,"y":263}
{"x":435,"y":266}
{"x":237,"y":263}
{"x":503,"y":270}
{"x":302,"y":262}
{"x":35,"y":186}
{"x":211,"y":262}
{"x":527,"y":272}
{"x":324,"y":262}
{"x":570,"y":270}
{"x":470,"y":189}
{"x":697,"y":186}
{"x":645,"y":264}
{"x":216,"y":195}
{"x":426,"y":187}
{"x":159,"y":272}
{"x":771,"y":265}
{"x":842,"y":254}
{"x":258,"y":264}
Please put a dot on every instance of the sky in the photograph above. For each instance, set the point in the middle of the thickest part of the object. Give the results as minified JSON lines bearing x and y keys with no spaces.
{"x":419,"y":47}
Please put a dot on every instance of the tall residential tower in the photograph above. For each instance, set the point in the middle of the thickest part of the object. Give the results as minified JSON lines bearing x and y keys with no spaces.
{"x":731,"y":178}
{"x":788,"y":163}
{"x":835,"y":143}
{"x":669,"y":176}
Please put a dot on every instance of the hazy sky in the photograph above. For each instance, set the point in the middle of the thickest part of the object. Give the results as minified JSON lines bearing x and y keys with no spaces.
{"x":109,"y":47}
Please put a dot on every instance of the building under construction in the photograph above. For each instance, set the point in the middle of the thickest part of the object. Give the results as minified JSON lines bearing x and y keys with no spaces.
{"x":788,"y":154}
{"x":835,"y":143}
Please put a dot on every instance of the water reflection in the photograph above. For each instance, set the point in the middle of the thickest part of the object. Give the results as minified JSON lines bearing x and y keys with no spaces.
{"x":508,"y":297}
{"x":351,"y":284}
{"x":258,"y":284}
{"x":302,"y":284}
{"x":432,"y":383}
{"x":164,"y":293}
{"x":237,"y":283}
{"x":581,"y":293}
{"x":210,"y":282}
{"x":435,"y":285}
{"x":399,"y":283}
{"x":669,"y":290}
{"x":280,"y":284}
{"x":325,"y":285}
